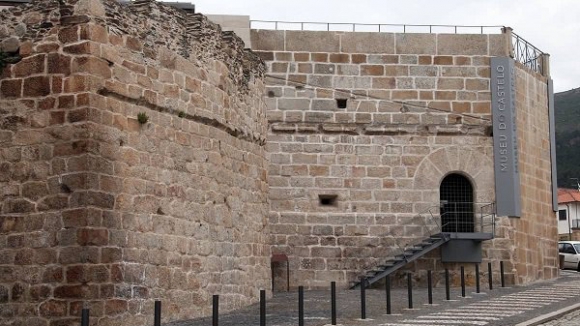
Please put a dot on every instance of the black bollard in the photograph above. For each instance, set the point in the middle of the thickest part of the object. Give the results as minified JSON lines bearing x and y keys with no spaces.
{"x":462,"y":282}
{"x":85,"y":317}
{"x":300,"y":306}
{"x":388,"y":293}
{"x":429,"y":287}
{"x":501,"y":274}
{"x":363,"y":303}
{"x":477,"y":289}
{"x":447,"y":292}
{"x":262,"y":307}
{"x":410,"y":290}
{"x":215,"y":310}
{"x":333,"y":303}
{"x":157,"y":314}
{"x":489,"y":276}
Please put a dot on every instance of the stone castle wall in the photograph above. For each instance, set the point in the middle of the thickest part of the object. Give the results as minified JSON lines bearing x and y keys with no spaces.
{"x":102,"y":211}
{"x":536,"y":233}
{"x":417,"y":109}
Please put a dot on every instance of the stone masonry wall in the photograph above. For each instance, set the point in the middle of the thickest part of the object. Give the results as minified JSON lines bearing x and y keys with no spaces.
{"x":535,"y":234}
{"x":528,"y":244}
{"x":417,"y":108}
{"x":102,"y":211}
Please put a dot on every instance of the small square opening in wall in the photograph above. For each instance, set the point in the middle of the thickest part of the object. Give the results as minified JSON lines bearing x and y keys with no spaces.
{"x":341,"y":103}
{"x":327,"y":200}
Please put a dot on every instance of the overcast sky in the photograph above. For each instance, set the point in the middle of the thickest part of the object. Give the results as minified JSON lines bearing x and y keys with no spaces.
{"x":551,"y":25}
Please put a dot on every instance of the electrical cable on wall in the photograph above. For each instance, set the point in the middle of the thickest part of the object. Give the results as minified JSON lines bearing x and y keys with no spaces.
{"x":405,"y":105}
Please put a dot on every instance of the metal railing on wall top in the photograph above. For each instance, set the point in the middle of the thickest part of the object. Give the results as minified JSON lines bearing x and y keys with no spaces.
{"x":387,"y":28}
{"x":527,"y":54}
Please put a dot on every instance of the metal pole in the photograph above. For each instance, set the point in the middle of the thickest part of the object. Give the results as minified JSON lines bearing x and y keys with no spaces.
{"x":462,"y":282}
{"x":501,"y":274}
{"x":477,"y":289}
{"x":489,"y":276}
{"x":447,"y":294}
{"x":410,"y":290}
{"x":157,"y":314}
{"x":333,"y":302}
{"x":300,"y":306}
{"x":262,"y":307}
{"x":216,"y":303}
{"x":429,"y":287}
{"x":363,"y":304}
{"x":85,"y":317}
{"x":388,"y":290}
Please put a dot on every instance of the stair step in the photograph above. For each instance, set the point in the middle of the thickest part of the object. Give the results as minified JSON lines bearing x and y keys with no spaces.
{"x":410,"y":253}
{"x":386,"y":265}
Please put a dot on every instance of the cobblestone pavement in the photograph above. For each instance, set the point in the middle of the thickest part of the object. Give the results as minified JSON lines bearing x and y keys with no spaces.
{"x":571,"y":319}
{"x":496,"y":307}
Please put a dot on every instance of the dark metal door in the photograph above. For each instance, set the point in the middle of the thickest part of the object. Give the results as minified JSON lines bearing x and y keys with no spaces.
{"x":456,"y":198}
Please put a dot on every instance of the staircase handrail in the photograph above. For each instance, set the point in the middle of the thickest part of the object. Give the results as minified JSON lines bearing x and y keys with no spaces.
{"x":431,"y":225}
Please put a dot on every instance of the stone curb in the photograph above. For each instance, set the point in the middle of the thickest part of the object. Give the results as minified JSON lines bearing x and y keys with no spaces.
{"x":550,"y":316}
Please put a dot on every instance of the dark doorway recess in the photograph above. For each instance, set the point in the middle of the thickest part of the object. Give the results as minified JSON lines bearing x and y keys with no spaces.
{"x":456,"y":199}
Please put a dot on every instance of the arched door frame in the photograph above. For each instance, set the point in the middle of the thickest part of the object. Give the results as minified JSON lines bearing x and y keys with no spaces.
{"x":456,"y":205}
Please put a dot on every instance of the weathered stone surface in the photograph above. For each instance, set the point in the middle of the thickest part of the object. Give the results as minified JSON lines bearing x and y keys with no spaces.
{"x":10,"y":44}
{"x":311,"y":41}
{"x":367,"y":43}
{"x":416,"y":43}
{"x":99,"y":207}
{"x":404,"y":122}
{"x":76,"y":164}
{"x":267,"y":40}
{"x":456,"y":44}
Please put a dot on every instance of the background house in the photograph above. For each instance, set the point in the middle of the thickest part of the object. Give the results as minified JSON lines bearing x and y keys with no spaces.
{"x":568,"y":214}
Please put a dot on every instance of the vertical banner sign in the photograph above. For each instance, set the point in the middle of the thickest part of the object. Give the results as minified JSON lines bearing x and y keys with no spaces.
{"x":505,"y":142}
{"x":552,"y":119}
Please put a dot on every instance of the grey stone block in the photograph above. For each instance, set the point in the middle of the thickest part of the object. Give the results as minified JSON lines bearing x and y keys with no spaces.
{"x":425,"y":83}
{"x":348,"y":69}
{"x":344,"y":82}
{"x":457,"y":44}
{"x":423,"y":71}
{"x":362,"y":82}
{"x":324,"y":69}
{"x":416,"y":43}
{"x":498,"y":45}
{"x":368,"y":43}
{"x":405,"y":83}
{"x":325,"y":105}
{"x":267,"y":40}
{"x":293,"y":104}
{"x":320,"y":81}
{"x":312,"y":41}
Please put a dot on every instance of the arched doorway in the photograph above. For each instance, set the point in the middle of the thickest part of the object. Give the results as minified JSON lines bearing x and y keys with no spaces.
{"x":456,"y":200}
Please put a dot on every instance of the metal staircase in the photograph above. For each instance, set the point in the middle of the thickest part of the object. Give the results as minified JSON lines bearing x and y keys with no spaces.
{"x":428,"y":233}
{"x":406,"y":256}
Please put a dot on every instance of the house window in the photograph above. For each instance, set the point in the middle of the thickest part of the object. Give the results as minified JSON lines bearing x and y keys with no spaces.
{"x":562,"y":216}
